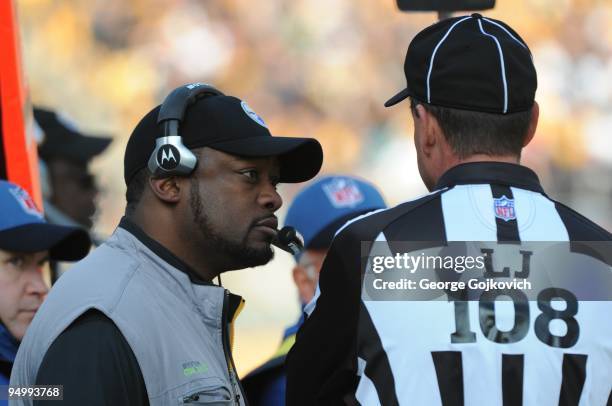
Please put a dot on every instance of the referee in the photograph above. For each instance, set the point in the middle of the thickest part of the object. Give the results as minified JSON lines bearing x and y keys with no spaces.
{"x":471,"y":85}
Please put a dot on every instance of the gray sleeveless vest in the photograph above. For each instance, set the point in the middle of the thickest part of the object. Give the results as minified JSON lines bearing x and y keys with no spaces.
{"x":175,"y":328}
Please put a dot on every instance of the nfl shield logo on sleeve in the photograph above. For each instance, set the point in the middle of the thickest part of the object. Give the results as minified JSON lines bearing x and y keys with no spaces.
{"x":504,"y":208}
{"x":343,"y":193}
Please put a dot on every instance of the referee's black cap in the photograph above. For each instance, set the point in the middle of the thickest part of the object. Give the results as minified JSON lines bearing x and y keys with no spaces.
{"x":227,"y":124}
{"x":470,"y":63}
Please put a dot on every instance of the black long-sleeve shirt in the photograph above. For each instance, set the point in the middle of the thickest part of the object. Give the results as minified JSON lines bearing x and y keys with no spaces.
{"x":95,"y":365}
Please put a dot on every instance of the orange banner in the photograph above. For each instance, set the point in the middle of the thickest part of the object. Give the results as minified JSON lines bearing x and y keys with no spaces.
{"x":19,"y":158}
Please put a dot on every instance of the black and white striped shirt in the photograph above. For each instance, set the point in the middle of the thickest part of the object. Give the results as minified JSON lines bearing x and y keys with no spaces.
{"x":356,"y":351}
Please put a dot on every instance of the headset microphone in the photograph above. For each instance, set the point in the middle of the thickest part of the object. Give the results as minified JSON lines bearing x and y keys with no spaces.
{"x":290,"y":240}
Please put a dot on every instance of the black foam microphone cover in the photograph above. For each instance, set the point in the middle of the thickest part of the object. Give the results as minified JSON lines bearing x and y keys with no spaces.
{"x":288,"y":239}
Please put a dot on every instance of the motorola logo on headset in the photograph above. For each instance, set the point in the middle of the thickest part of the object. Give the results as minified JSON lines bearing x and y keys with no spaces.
{"x":168,"y":157}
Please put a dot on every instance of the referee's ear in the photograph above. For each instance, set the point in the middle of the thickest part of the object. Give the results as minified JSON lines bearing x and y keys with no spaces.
{"x":430,"y":130}
{"x":533,"y":124}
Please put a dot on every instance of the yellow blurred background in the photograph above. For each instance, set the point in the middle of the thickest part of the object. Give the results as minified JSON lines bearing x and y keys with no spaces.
{"x":319,"y":68}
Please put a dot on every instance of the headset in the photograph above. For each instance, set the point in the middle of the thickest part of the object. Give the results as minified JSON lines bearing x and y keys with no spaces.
{"x":171,"y":157}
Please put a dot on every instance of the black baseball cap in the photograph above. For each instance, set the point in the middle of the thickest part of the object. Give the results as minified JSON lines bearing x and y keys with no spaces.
{"x":227,"y":124}
{"x":63,"y":139}
{"x":470,"y":63}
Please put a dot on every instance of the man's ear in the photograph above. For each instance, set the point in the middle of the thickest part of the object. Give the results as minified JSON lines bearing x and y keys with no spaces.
{"x":166,"y":189}
{"x":533,"y":124}
{"x":429,"y":128}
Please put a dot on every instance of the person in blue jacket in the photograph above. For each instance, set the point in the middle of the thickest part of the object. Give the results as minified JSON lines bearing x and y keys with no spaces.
{"x":317,"y":212}
{"x":27,"y":243}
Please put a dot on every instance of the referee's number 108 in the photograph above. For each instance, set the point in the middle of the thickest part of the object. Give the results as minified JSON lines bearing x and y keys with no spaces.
{"x":486,"y":312}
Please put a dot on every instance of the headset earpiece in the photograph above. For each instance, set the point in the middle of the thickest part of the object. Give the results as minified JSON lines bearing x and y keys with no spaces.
{"x":170,"y":156}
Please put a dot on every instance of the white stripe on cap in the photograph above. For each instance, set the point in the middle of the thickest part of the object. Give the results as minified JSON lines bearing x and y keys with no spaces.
{"x":503,"y":66}
{"x":507,"y":32}
{"x":433,"y":55}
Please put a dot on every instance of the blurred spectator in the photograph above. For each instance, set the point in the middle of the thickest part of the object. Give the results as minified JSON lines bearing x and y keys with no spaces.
{"x":27,"y":242}
{"x":66,"y":153}
{"x":317,"y":212}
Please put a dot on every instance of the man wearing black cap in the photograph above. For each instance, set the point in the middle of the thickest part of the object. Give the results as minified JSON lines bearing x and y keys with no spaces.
{"x":139,"y":321}
{"x":66,"y":153}
{"x":471,"y":84}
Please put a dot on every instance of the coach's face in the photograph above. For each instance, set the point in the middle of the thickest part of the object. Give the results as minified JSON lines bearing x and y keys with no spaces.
{"x":232,"y":201}
{"x":22,"y":289}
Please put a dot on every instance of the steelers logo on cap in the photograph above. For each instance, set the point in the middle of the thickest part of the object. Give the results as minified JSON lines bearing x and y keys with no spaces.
{"x":168,"y":157}
{"x":252,"y":115}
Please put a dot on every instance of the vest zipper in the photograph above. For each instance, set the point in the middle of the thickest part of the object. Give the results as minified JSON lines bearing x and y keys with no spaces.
{"x":231,"y":368}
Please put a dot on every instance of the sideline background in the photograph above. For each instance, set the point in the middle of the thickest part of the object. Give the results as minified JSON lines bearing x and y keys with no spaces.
{"x":320,"y":68}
